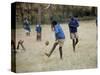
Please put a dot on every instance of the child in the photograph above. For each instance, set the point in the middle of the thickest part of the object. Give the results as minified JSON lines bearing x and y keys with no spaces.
{"x":20,"y":43}
{"x":27,"y":26}
{"x":73,"y":24}
{"x":38,"y":30}
{"x":60,"y":37}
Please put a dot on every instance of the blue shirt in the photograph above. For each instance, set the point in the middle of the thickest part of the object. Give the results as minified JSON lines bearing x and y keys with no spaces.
{"x":59,"y":34}
{"x":73,"y":24}
{"x":38,"y":28}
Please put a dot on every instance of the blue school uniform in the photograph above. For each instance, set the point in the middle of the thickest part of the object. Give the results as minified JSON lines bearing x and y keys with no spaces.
{"x":59,"y":34}
{"x":73,"y":24}
{"x":38,"y":28}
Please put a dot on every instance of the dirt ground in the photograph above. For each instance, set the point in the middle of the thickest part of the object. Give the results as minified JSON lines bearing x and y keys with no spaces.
{"x":33,"y":58}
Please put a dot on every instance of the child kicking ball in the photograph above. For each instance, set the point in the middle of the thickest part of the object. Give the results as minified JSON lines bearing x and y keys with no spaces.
{"x":59,"y":37}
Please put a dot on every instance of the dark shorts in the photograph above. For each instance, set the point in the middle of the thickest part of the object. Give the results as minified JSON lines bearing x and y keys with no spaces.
{"x":73,"y":29}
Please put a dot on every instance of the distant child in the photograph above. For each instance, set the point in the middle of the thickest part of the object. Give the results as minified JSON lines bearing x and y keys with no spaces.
{"x":27,"y":26}
{"x":59,"y":36}
{"x":39,"y":31}
{"x":73,"y":24}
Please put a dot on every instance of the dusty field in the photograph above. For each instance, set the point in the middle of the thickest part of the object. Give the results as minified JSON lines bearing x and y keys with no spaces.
{"x":33,"y":58}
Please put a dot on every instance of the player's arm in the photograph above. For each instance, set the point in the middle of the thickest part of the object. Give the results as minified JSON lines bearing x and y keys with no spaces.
{"x":70,"y":24}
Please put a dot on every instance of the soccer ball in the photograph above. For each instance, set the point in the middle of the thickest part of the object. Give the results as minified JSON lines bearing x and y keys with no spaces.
{"x":47,"y":43}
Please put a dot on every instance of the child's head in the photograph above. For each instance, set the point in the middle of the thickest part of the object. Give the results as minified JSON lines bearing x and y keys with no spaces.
{"x":53,"y":23}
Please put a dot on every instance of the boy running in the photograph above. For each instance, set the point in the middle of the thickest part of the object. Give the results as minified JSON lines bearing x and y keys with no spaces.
{"x":60,"y":37}
{"x":73,"y":24}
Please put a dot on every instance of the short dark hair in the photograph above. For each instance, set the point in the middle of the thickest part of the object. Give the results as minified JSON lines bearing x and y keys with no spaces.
{"x":54,"y":22}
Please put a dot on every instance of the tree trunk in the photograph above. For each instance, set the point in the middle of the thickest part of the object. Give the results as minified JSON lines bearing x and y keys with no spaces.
{"x":39,"y":14}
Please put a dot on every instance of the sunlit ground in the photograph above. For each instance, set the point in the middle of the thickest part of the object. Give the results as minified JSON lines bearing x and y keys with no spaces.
{"x":33,"y":58}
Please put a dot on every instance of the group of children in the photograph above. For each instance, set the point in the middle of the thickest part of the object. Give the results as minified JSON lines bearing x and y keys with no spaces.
{"x":27,"y":28}
{"x":59,"y":34}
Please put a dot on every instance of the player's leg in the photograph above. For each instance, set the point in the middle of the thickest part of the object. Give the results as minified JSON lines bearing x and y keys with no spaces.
{"x":28,"y":33}
{"x":61,"y":42}
{"x":76,"y":36}
{"x":40,"y":36}
{"x":60,"y":50}
{"x":76,"y":41}
{"x":73,"y":40}
{"x":21,"y":43}
{"x":72,"y":35}
{"x":53,"y":48}
{"x":37,"y":36}
{"x":18,"y":44}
